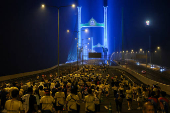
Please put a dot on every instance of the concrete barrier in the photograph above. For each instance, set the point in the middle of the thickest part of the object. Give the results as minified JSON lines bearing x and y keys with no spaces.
{"x":8,"y":77}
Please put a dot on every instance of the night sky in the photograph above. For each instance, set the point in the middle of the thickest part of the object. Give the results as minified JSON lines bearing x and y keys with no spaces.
{"x":29,"y":33}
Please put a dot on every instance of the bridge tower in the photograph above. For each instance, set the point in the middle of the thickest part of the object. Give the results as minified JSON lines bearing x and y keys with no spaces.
{"x":93,"y":23}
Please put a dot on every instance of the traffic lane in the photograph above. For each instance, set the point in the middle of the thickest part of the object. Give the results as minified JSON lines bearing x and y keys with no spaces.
{"x":157,"y":76}
{"x":163,"y":74}
{"x":130,"y":77}
{"x":151,"y":75}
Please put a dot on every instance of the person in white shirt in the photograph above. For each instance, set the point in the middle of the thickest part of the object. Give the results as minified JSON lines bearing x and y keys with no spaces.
{"x":72,"y":101}
{"x":115,"y":89}
{"x":41,"y":91}
{"x":47,"y":102}
{"x":12,"y":88}
{"x":60,"y":98}
{"x":36,"y":94}
{"x":97,"y":101}
{"x":145,"y":94}
{"x":129,"y":98}
{"x":139,"y":98}
{"x":134,"y":89}
{"x":13,"y":105}
{"x":90,"y":105}
{"x":29,"y":101}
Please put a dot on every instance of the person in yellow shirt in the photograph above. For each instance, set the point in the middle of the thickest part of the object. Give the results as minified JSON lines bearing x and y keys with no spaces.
{"x":90,"y":105}
{"x":60,"y":98}
{"x":72,"y":101}
{"x":13,"y":105}
{"x":47,"y":102}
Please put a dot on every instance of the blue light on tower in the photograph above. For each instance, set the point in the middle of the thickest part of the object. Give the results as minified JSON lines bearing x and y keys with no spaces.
{"x":91,"y":23}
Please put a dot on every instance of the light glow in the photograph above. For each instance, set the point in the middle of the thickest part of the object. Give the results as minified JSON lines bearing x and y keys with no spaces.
{"x":140,"y":49}
{"x":42,"y":5}
{"x":68,"y":31}
{"x":73,"y":5}
{"x":86,"y":30}
{"x":152,"y":66}
{"x":147,"y":22}
{"x":158,"y":48}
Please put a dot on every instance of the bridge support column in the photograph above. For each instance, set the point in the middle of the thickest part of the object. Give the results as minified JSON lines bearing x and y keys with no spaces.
{"x":79,"y":28}
{"x":105,"y":27}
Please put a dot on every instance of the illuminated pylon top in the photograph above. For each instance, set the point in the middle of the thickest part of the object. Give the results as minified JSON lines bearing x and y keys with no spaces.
{"x":93,"y":23}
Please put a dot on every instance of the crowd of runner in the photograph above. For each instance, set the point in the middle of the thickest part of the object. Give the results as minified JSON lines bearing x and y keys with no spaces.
{"x":53,"y":94}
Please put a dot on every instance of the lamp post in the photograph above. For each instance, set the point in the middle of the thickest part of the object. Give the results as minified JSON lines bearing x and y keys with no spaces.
{"x":159,"y":50}
{"x":91,"y":42}
{"x":147,"y":24}
{"x":43,"y":6}
{"x":78,"y":43}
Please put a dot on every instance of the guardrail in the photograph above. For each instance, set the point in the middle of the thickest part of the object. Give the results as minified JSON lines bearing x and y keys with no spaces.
{"x":8,"y":77}
{"x":146,"y":80}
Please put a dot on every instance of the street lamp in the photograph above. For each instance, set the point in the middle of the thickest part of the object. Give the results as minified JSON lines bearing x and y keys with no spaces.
{"x":86,"y":30}
{"x":91,"y":42}
{"x":43,"y":6}
{"x":73,"y":5}
{"x":158,"y":48}
{"x":147,"y":22}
